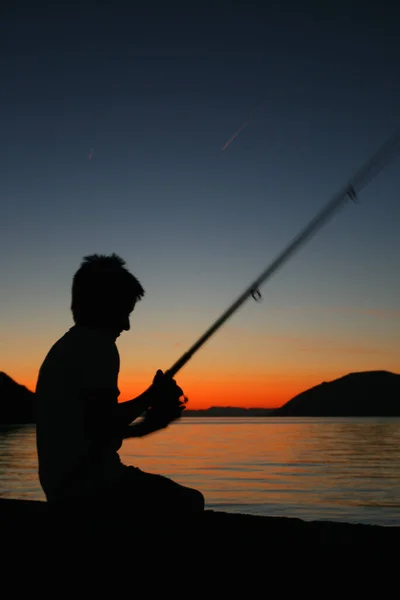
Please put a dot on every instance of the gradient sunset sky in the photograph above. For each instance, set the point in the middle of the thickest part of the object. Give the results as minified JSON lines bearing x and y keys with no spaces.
{"x":113,"y":123}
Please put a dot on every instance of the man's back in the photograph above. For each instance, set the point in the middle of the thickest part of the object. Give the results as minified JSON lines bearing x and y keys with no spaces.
{"x":76,"y":393}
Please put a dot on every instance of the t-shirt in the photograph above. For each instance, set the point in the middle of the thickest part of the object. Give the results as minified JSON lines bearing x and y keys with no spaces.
{"x":77,"y":443}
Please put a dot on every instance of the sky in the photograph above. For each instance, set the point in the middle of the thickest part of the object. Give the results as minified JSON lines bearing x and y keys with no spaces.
{"x":118,"y":135}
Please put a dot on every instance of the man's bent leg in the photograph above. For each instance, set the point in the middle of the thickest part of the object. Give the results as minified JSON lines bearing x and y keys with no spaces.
{"x":159,"y":495}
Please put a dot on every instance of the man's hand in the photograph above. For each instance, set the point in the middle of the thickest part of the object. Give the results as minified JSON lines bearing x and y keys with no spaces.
{"x":161,"y":404}
{"x":167,"y":401}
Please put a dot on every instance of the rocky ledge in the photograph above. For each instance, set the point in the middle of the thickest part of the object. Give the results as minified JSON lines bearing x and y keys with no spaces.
{"x":28,"y":518}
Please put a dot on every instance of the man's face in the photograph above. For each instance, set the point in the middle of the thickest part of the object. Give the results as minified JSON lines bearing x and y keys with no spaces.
{"x":122,"y":321}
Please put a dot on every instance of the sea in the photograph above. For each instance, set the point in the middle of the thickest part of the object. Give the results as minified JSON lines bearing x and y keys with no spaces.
{"x":335,"y":469}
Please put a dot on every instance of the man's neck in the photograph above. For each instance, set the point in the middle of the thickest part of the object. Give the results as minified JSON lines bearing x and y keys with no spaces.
{"x":102,"y":330}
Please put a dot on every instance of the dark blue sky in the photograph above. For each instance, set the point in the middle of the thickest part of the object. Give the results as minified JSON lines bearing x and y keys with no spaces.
{"x":156,"y":91}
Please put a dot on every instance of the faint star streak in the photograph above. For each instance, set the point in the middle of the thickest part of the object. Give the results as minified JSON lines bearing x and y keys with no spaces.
{"x":229,"y":142}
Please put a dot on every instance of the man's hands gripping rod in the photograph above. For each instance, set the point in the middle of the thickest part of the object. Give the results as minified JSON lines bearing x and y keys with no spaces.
{"x":167,"y":401}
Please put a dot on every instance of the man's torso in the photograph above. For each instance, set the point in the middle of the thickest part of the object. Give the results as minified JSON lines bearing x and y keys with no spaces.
{"x":76,"y":396}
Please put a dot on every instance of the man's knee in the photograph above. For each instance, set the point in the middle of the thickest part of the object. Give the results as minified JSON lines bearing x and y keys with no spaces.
{"x":197,"y":501}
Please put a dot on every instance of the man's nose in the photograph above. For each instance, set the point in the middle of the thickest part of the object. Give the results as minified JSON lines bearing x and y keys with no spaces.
{"x":127,"y":325}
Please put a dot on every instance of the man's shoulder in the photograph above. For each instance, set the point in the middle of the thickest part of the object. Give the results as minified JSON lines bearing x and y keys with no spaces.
{"x":96,"y":346}
{"x":82,"y":354}
{"x":81,"y":343}
{"x":85,"y":337}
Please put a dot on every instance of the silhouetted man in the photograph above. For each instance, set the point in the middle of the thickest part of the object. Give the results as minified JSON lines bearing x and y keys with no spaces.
{"x":81,"y":425}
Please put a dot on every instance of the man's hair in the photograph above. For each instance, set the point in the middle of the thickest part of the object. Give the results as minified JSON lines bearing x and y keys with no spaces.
{"x":102,"y":287}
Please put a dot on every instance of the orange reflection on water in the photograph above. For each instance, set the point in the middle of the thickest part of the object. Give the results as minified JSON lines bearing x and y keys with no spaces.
{"x":346,"y":469}
{"x":299,"y":464}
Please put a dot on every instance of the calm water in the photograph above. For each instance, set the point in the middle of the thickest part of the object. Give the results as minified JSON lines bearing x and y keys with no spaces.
{"x":336,"y":469}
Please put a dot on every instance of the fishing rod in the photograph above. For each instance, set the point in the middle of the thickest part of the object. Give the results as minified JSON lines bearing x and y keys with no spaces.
{"x":349,"y":192}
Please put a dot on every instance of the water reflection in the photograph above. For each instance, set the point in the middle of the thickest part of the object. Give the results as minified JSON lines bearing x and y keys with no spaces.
{"x":344,"y":469}
{"x":18,"y":463}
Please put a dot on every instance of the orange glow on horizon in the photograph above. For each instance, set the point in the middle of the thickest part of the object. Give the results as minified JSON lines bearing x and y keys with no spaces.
{"x":247,"y":386}
{"x":241,"y":391}
{"x":268,"y":392}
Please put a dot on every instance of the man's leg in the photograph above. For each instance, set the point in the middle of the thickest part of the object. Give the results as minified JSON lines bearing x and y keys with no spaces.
{"x":159,"y":495}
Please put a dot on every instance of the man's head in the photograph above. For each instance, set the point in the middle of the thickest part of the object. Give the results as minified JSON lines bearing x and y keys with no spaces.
{"x":104,"y":293}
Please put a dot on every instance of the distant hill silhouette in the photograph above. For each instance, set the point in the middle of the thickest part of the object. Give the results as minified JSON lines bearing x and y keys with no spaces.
{"x":363,"y":394}
{"x":228,"y":411}
{"x":16,"y":402}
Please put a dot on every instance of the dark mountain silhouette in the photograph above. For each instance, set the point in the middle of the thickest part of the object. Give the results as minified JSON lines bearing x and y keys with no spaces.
{"x":363,"y":394}
{"x":16,"y":402}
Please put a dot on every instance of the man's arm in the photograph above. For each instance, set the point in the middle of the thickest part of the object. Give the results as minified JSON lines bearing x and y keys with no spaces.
{"x":129,"y":411}
{"x":164,"y":393}
{"x":141,"y":429}
{"x":154,"y":420}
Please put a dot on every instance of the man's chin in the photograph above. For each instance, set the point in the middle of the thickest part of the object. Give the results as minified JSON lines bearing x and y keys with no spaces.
{"x":115,"y":333}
